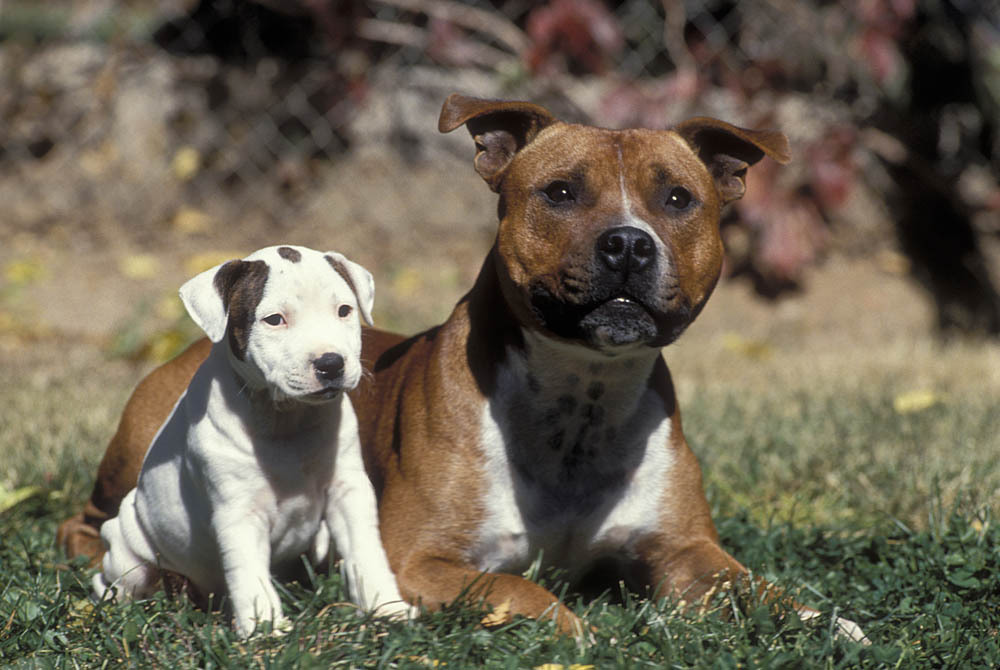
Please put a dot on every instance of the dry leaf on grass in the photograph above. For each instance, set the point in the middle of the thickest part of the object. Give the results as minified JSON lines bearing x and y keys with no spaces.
{"x":915,"y":401}
{"x":189,"y":221}
{"x":9,"y":499}
{"x":209,"y":259}
{"x":755,"y":349}
{"x":500,"y":615}
{"x":186,"y":163}
{"x":139,"y":266}
{"x":24,"y":271}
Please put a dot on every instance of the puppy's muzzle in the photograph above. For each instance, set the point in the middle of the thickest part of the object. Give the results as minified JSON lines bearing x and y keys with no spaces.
{"x":329,"y":369}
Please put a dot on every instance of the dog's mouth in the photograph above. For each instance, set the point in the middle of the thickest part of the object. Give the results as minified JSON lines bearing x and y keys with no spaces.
{"x":615,"y":320}
{"x":324,"y":394}
{"x":318,"y":397}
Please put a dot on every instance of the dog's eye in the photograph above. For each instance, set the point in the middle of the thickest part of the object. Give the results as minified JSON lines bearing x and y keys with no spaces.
{"x":559,"y":192}
{"x":274,"y":319}
{"x":679,"y":198}
{"x":344,"y":311}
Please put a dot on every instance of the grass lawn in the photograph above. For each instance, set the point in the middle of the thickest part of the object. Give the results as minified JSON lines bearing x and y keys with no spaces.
{"x":868,"y":503}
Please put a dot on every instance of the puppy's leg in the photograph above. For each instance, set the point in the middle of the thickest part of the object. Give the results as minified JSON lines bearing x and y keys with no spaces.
{"x":321,"y":545}
{"x":352,"y":517}
{"x":118,"y":472}
{"x":127,"y":565}
{"x":245,"y":551}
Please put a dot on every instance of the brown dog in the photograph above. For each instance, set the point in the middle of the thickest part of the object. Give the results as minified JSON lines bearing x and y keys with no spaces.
{"x":540,"y":417}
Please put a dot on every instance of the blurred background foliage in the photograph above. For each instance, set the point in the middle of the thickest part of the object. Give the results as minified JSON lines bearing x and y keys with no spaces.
{"x":214,"y":126}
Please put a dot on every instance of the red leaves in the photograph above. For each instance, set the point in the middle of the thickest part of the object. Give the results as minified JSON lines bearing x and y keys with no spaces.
{"x":579,"y":36}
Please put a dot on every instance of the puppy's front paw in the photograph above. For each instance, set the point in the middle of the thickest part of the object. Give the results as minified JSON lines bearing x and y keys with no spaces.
{"x":247,"y":627}
{"x":396,"y":610}
{"x":258,"y":615}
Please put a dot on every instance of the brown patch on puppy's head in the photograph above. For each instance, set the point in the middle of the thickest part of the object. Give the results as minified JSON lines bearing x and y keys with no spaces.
{"x":290,"y":254}
{"x":241,"y":286}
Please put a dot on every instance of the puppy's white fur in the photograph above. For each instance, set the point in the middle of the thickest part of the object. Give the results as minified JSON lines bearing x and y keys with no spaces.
{"x":260,"y":462}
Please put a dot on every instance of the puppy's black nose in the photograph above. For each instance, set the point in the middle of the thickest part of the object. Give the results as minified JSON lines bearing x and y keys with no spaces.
{"x":626,"y":249}
{"x":329,"y":366}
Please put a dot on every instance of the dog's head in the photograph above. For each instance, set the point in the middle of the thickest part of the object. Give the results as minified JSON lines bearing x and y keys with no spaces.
{"x":290,"y":318}
{"x":608,"y":238}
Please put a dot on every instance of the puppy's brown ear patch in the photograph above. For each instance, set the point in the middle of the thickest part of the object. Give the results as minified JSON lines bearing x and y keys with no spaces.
{"x":240,"y":284}
{"x":499,"y":128}
{"x":727,"y":151}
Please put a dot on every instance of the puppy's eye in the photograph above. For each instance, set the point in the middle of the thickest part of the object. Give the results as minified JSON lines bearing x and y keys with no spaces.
{"x":679,"y":198}
{"x":559,"y":192}
{"x":274,"y":320}
{"x":344,"y":311}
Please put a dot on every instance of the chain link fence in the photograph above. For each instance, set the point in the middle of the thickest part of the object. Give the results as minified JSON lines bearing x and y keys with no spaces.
{"x":132,"y":119}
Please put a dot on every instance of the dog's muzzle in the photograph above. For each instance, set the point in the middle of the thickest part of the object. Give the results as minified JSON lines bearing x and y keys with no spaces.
{"x":623,"y":301}
{"x":329,"y":370}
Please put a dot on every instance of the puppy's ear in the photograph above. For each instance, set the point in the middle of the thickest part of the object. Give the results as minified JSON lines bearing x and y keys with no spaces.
{"x":728,"y":151}
{"x":208,"y":295}
{"x":359,"y":279}
{"x":499,"y":128}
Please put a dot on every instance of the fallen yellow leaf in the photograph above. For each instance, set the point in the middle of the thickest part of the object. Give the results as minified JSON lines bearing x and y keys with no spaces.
{"x":915,"y":401}
{"x":80,"y":610}
{"x":560,"y":666}
{"x":209,"y":259}
{"x":139,"y":266}
{"x":407,"y":282}
{"x":186,"y":163}
{"x":499,"y":615}
{"x":169,"y":307}
{"x":164,"y":346}
{"x":189,"y":221}
{"x":24,"y":271}
{"x":97,"y":160}
{"x":892,"y":262}
{"x":756,"y":349}
{"x":9,"y":499}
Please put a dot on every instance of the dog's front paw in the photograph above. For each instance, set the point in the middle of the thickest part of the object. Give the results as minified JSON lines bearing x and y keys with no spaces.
{"x":257,"y":614}
{"x":247,"y":627}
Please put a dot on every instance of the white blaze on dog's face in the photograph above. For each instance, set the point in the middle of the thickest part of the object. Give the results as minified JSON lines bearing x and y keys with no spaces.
{"x":290,"y":317}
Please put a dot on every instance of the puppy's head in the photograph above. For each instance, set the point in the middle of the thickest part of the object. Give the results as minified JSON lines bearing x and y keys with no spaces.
{"x":607,"y":238}
{"x":289,"y":317}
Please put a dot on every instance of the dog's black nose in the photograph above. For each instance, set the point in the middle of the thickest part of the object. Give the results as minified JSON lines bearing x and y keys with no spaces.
{"x":626,"y":249}
{"x":329,"y":366}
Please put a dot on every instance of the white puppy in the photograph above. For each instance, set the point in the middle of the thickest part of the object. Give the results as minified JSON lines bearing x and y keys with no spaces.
{"x":259,"y":462}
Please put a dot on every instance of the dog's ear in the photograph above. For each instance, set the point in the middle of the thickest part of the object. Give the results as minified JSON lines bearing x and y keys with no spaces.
{"x":206,"y":297}
{"x":359,"y":279}
{"x":499,"y":128}
{"x":728,"y":151}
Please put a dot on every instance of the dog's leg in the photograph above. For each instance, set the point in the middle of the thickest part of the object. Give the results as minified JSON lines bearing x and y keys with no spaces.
{"x":352,"y":518}
{"x":147,"y":409}
{"x":696,"y":572}
{"x":246,"y":556}
{"x":437,"y":581}
{"x":127,"y":566}
{"x":320,"y":551}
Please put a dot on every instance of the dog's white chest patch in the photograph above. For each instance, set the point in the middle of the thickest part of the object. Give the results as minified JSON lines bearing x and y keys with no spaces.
{"x":576,"y":460}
